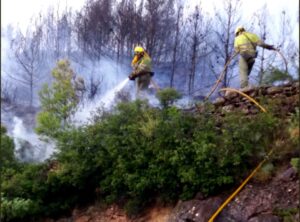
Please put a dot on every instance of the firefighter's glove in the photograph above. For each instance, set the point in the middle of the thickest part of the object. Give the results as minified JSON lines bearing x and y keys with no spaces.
{"x":270,"y":47}
{"x":132,"y":76}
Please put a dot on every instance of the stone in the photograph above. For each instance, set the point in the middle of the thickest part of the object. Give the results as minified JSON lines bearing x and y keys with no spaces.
{"x":248,"y":89}
{"x":82,"y":219}
{"x":265,"y":218}
{"x":219,"y":101}
{"x":274,"y":90}
{"x":227,"y":108}
{"x":198,"y":211}
{"x":288,"y":175}
{"x":230,"y":95}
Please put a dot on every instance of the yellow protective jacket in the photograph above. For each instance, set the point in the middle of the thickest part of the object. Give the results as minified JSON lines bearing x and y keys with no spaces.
{"x":246,"y":43}
{"x":141,"y":66}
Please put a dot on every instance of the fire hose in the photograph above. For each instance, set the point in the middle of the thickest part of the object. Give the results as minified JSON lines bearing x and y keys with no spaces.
{"x":253,"y":172}
{"x":221,"y":76}
{"x":284,"y":59}
{"x":228,"y":62}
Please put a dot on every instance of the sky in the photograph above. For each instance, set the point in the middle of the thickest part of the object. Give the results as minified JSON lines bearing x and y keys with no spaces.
{"x":26,"y":9}
{"x":20,"y":16}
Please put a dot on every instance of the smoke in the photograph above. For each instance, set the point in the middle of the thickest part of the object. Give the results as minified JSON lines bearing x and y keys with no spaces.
{"x":105,"y":101}
{"x":28,"y":146}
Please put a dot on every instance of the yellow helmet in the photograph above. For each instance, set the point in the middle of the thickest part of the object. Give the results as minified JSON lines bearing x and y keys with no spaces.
{"x":138,"y":49}
{"x":239,"y":29}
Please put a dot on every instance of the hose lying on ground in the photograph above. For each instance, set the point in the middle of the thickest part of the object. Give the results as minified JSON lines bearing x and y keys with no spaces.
{"x":253,"y":172}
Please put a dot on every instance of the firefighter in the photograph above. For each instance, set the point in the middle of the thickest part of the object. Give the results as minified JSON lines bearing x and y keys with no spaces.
{"x":245,"y":44}
{"x":142,"y":70}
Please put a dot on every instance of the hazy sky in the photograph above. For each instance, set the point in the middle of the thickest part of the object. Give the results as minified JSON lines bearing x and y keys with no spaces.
{"x":26,"y":9}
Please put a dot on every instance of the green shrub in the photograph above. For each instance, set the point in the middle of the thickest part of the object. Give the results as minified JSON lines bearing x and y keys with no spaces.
{"x":7,"y":147}
{"x":138,"y":153}
{"x":58,"y":101}
{"x":295,"y":162}
{"x":168,"y":96}
{"x":17,"y":208}
{"x":273,"y":75}
{"x":293,"y":127}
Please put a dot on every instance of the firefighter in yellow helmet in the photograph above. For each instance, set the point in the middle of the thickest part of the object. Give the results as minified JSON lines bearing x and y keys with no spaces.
{"x":142,"y":70}
{"x":245,"y":44}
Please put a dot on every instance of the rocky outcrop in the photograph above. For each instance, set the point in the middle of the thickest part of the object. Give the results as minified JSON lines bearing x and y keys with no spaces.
{"x":283,"y":99}
{"x":257,"y":202}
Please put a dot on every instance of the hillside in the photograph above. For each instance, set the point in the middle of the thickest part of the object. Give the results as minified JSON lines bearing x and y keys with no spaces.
{"x":272,"y":195}
{"x":147,"y":164}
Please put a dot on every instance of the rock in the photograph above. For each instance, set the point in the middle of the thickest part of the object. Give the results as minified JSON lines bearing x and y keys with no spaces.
{"x":199,"y":196}
{"x":288,"y":175}
{"x":198,"y":211}
{"x":248,"y":89}
{"x":296,"y":84}
{"x":253,"y":93}
{"x":230,"y":95}
{"x":82,"y":219}
{"x":219,"y":101}
{"x":265,"y":218}
{"x":274,"y":90}
{"x":227,"y":108}
{"x":64,"y":220}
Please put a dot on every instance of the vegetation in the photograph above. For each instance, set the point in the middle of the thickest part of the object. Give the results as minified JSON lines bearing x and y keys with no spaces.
{"x":6,"y":150}
{"x":138,"y":154}
{"x":274,"y":75}
{"x":58,"y":102}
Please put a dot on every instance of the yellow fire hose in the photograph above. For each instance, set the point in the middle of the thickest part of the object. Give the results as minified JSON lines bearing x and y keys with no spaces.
{"x":253,"y":172}
{"x":239,"y":188}
{"x":221,"y":76}
{"x":245,"y":95}
{"x":284,"y":59}
{"x":228,"y":62}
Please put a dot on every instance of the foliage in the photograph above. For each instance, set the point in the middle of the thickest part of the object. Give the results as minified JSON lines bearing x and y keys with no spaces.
{"x":168,"y":96}
{"x":6,"y":150}
{"x":273,"y":75}
{"x":288,"y":214}
{"x":58,"y":102}
{"x":17,"y":208}
{"x":293,"y":127}
{"x":295,"y":162}
{"x":265,"y":173}
{"x":138,"y":153}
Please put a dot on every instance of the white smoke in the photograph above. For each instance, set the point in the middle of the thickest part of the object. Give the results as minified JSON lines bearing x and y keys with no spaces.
{"x":28,"y":146}
{"x":105,"y":101}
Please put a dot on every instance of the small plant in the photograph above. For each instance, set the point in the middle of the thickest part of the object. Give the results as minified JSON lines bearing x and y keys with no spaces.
{"x":168,"y":96}
{"x":274,"y":75}
{"x":295,"y":162}
{"x":293,"y":127}
{"x":59,"y":101}
{"x":17,"y":208}
{"x":288,"y":214}
{"x":7,"y":147}
{"x":265,"y":173}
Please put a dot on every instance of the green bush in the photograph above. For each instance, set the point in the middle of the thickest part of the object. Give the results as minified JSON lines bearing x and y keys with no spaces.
{"x":6,"y":150}
{"x":168,"y":96}
{"x":138,"y":153}
{"x":58,"y":101}
{"x":17,"y":208}
{"x":273,"y":75}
